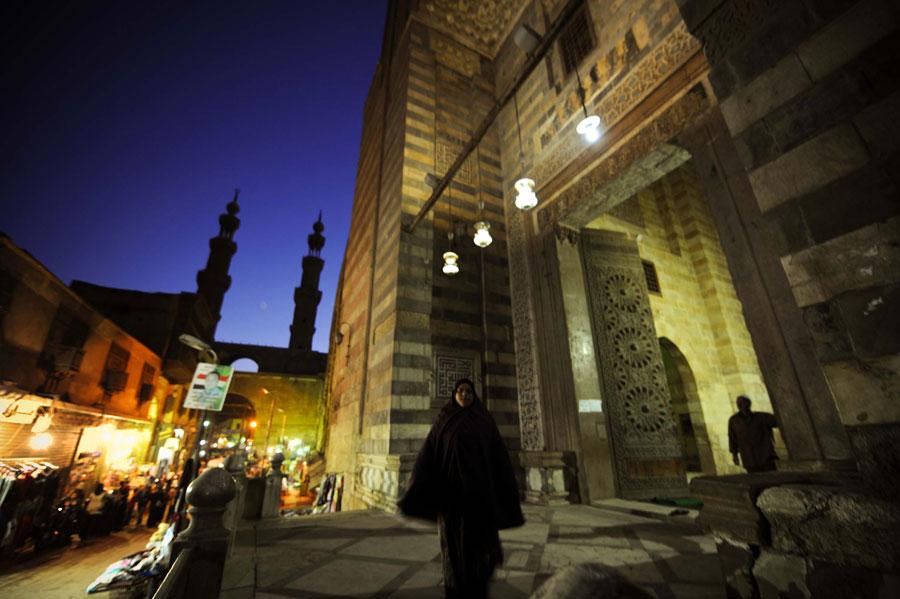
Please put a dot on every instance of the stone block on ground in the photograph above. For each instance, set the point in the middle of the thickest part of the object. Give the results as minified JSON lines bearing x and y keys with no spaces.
{"x":834,"y":523}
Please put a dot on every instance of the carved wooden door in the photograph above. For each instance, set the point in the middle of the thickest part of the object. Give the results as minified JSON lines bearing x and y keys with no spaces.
{"x":647,"y":455}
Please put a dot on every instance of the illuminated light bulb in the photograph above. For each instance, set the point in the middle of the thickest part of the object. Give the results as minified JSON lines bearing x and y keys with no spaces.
{"x":589,"y":128}
{"x":525,"y":196}
{"x":253,"y":424}
{"x":202,"y":441}
{"x":202,"y":453}
{"x":482,"y":234}
{"x":450,"y":266}
{"x":206,"y":423}
{"x":41,"y":441}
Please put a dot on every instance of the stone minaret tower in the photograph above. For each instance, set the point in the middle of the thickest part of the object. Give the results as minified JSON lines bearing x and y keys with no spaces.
{"x":307,"y":295}
{"x":213,"y":281}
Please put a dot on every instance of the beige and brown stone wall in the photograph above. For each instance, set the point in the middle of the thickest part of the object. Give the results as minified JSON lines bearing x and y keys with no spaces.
{"x":347,"y":359}
{"x":697,"y":308}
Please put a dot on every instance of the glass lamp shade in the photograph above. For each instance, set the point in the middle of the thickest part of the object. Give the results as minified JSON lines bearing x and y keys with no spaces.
{"x":589,"y":128}
{"x":450,"y":266}
{"x":482,"y":234}
{"x":525,"y":196}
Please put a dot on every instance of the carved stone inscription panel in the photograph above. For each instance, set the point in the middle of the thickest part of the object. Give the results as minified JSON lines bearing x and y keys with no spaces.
{"x":645,"y":445}
{"x":450,"y":369}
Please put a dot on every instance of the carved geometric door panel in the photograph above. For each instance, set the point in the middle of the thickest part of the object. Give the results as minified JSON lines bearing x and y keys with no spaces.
{"x":647,"y":454}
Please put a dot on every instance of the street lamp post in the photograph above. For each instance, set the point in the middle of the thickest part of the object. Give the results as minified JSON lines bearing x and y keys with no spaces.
{"x":271,"y":414}
{"x":207,"y":353}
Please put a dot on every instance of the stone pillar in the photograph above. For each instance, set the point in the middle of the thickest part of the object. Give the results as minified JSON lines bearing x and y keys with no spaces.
{"x":272,"y":499}
{"x":205,"y":536}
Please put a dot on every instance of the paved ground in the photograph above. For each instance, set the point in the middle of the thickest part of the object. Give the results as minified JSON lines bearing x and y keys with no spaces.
{"x":373,"y":554}
{"x":66,"y":573}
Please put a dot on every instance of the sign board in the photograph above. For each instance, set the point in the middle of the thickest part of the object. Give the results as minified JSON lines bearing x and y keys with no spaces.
{"x":209,"y":387}
{"x":20,"y":408}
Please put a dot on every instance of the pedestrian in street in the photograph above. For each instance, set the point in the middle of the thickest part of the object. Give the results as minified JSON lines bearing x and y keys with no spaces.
{"x":121,"y":505}
{"x":750,"y":436}
{"x":157,"y":506}
{"x":98,"y":511}
{"x":142,"y":497}
{"x":463,"y":479}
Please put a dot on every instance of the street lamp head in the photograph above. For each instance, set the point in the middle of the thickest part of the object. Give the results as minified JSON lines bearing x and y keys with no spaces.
{"x":194,"y":342}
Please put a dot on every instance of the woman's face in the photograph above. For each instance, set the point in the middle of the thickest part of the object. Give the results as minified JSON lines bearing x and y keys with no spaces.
{"x":464,"y":395}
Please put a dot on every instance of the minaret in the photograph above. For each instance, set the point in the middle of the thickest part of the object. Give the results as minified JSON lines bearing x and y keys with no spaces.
{"x":213,"y":281}
{"x":307,"y":295}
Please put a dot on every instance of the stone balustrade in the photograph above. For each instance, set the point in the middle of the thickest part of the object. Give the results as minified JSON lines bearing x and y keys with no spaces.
{"x":199,"y":552}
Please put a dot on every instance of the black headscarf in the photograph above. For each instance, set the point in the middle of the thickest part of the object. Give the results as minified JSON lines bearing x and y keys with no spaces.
{"x":464,"y":466}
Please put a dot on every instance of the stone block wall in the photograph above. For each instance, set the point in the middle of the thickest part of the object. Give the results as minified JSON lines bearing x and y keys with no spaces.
{"x":809,"y":93}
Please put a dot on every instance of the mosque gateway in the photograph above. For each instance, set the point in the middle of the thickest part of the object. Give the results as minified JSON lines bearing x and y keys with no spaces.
{"x":685,"y":203}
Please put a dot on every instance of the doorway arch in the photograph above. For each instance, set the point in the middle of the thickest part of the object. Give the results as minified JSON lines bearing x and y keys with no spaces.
{"x":686,"y":410}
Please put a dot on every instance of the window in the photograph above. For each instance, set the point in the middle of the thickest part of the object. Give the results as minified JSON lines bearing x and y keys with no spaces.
{"x":67,"y":330}
{"x":7,"y":287}
{"x":62,"y":348}
{"x":145,"y":389}
{"x":650,"y":275}
{"x":115,"y":376}
{"x":576,"y":40}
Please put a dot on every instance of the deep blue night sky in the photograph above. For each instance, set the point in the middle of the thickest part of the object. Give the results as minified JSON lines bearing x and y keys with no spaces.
{"x":131,"y":123}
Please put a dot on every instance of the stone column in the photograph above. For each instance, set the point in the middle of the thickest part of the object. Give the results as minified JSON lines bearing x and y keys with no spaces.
{"x":272,"y":498}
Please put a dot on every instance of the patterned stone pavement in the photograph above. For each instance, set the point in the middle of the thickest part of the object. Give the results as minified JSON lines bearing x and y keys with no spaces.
{"x":374,"y":554}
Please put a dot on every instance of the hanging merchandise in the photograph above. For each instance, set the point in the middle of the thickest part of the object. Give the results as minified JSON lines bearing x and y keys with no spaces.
{"x":28,"y":490}
{"x":140,"y":570}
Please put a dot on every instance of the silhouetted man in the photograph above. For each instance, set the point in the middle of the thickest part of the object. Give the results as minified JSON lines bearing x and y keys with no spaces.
{"x":750,"y":435}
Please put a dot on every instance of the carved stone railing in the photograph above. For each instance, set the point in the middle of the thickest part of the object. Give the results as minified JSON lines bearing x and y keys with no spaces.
{"x":199,"y":552}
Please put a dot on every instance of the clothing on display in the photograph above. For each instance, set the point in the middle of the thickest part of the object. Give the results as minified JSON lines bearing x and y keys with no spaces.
{"x":330,"y":495}
{"x":142,"y":568}
{"x":27,"y":492}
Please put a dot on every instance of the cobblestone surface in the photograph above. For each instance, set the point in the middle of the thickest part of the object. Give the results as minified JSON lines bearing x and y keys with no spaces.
{"x":374,"y":554}
{"x":66,"y":573}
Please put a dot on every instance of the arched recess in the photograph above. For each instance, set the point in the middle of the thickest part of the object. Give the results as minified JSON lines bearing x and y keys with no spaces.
{"x":245,"y":365}
{"x":236,"y":408}
{"x":686,"y":409}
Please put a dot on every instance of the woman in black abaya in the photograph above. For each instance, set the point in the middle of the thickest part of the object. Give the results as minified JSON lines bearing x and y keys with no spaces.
{"x":464,"y":480}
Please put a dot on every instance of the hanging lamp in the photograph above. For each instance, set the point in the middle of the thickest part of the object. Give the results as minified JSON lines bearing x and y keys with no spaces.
{"x":450,"y":261}
{"x":482,"y":236}
{"x":526,"y":199}
{"x":589,"y":127}
{"x":451,"y":258}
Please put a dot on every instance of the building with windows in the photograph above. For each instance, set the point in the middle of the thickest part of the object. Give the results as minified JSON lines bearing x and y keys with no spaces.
{"x":78,"y":391}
